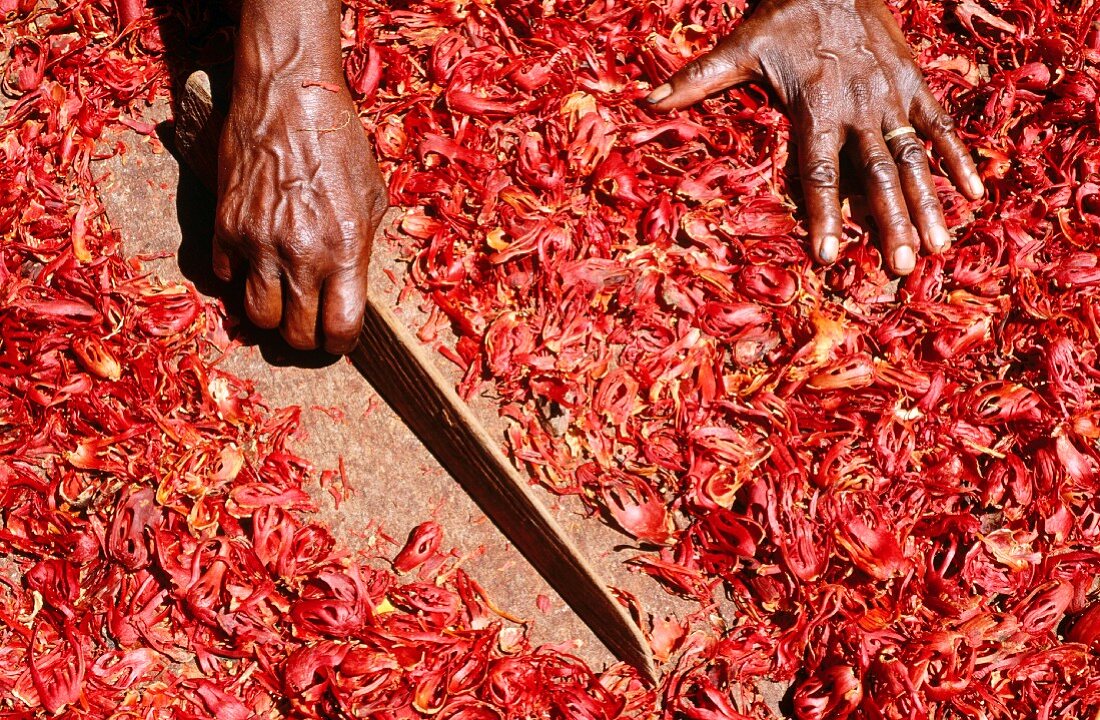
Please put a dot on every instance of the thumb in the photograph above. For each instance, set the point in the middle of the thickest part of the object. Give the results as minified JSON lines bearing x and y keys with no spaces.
{"x":728,"y":64}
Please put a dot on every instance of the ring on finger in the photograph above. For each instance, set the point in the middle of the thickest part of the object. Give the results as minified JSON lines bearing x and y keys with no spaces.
{"x":898,"y":132}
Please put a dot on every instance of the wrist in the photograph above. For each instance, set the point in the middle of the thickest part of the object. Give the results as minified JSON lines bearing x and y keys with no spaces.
{"x":283,"y":44}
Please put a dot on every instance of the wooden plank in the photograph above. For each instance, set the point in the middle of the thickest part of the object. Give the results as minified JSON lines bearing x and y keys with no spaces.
{"x":402,"y":372}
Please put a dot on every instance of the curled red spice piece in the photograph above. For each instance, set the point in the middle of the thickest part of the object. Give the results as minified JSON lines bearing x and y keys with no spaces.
{"x":127,"y":537}
{"x":851,"y":373}
{"x":128,"y":12}
{"x":58,"y":674}
{"x":665,"y":637}
{"x":874,"y":551}
{"x":169,"y":312}
{"x":220,"y":703}
{"x":1045,"y":608}
{"x":26,"y":69}
{"x":423,"y":543}
{"x":769,"y":284}
{"x":1086,"y":627}
{"x":834,"y":692}
{"x":97,"y":358}
{"x":123,"y":669}
{"x":637,"y":509}
{"x":313,"y":664}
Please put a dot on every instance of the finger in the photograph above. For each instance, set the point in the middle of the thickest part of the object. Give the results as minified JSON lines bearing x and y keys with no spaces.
{"x":819,"y":166}
{"x":899,"y":239}
{"x":937,"y":125}
{"x":728,"y":64}
{"x":263,"y":297}
{"x":300,"y":319}
{"x":919,"y":189}
{"x":224,"y":260}
{"x":345,"y":298}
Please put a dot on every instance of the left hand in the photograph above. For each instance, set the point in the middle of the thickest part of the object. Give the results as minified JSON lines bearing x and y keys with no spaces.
{"x":846,"y":76}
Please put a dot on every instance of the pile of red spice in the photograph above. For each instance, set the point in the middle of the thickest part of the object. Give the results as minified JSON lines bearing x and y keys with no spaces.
{"x":895,"y":485}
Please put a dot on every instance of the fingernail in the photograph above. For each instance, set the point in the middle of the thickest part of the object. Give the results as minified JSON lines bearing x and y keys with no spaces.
{"x":938,"y":237}
{"x":977,"y":189}
{"x":659,"y":93}
{"x":904,"y":259}
{"x":829,"y":247}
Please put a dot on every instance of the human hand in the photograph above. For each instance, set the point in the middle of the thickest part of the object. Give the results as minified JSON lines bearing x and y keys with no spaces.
{"x":299,"y":198}
{"x":846,"y":76}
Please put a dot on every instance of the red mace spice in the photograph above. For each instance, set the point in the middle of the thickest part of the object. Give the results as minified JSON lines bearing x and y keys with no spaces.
{"x":895,"y":486}
{"x":422,"y":545}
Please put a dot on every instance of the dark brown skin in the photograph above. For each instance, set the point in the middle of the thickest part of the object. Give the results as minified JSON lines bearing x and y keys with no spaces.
{"x":299,"y":192}
{"x":846,"y":76}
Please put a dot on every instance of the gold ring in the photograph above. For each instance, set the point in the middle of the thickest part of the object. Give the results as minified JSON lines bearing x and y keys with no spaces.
{"x":903,"y":130}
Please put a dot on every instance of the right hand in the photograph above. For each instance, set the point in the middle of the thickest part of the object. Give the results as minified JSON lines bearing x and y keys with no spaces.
{"x":299,"y":192}
{"x":299,"y":199}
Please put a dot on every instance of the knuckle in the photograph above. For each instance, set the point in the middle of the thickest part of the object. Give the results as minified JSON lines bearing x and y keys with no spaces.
{"x":863,"y":91}
{"x":929,"y":204}
{"x":353,"y":237}
{"x":346,"y":320}
{"x":818,"y":104}
{"x":340,"y":338}
{"x":821,"y":173}
{"x":909,"y":151}
{"x":703,"y":69}
{"x":881,"y":169}
{"x":908,"y":76}
{"x":224,"y":228}
{"x":943,"y":124}
{"x":878,"y":81}
{"x":261,"y":316}
{"x":378,"y":205}
{"x":302,"y":253}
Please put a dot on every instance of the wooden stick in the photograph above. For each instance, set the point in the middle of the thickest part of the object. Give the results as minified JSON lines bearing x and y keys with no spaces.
{"x":402,"y":372}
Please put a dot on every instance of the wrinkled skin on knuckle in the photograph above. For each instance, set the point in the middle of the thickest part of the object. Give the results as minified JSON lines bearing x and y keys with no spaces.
{"x":818,"y":101}
{"x":909,"y":153}
{"x":226,"y":227}
{"x":702,"y":71}
{"x":345,"y":320}
{"x":907,"y":77}
{"x":881,"y":169}
{"x":943,"y":125}
{"x":300,"y":244}
{"x":259,"y":318}
{"x":818,"y":89}
{"x":822,"y":174}
{"x":256,"y":309}
{"x":377,"y":203}
{"x":878,"y":83}
{"x":342,"y":328}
